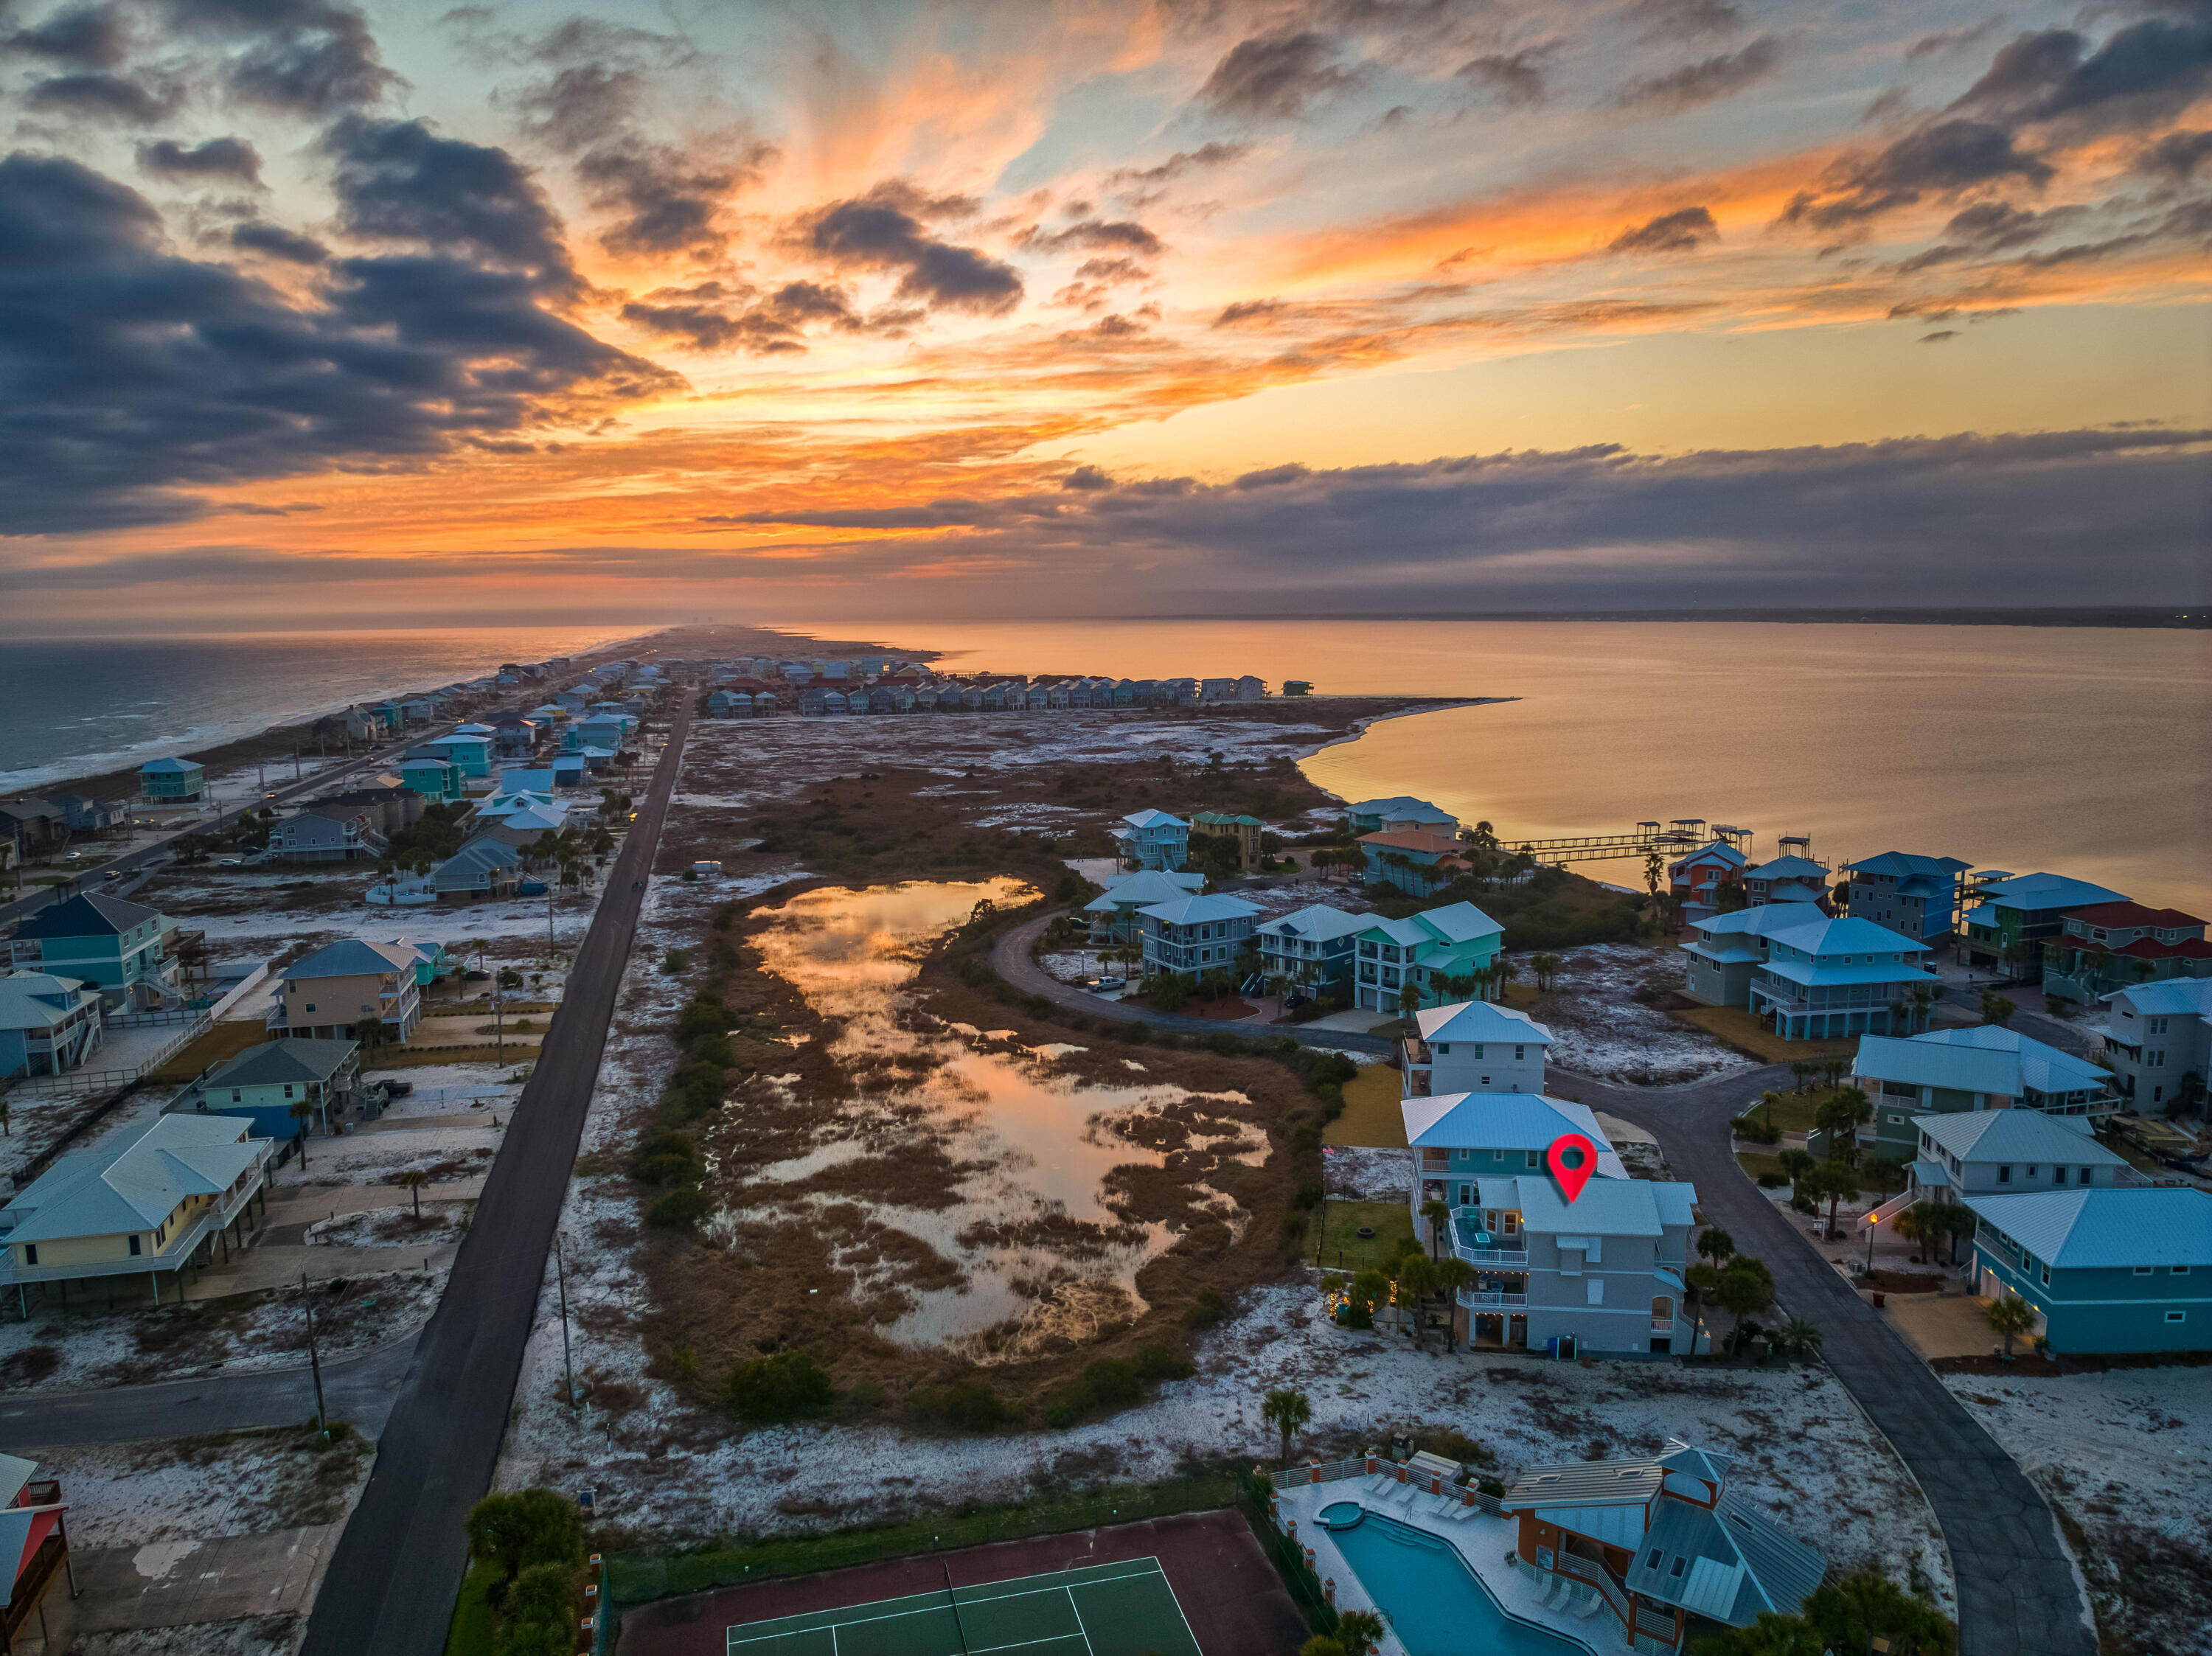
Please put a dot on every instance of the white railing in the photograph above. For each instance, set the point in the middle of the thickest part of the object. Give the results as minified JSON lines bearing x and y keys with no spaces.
{"x":1890,"y":1209}
{"x":1491,"y":1256}
{"x":1481,"y":1300}
{"x":82,"y":1081}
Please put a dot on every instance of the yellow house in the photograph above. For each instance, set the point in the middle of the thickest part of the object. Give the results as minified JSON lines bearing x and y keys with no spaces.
{"x":164,"y":1198}
{"x":326,"y":995}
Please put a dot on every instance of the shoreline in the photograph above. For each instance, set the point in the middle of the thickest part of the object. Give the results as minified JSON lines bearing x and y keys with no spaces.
{"x":1359,"y":727}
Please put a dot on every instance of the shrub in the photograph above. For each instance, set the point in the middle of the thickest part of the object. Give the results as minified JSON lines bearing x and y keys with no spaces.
{"x":541,"y":1593}
{"x":704,"y":1017}
{"x":782,"y":1386}
{"x":680,"y":1210}
{"x":1773,"y":1180}
{"x":676,"y":962}
{"x":535,"y":1526}
{"x":1208,"y":1309}
{"x":1492,"y":1488}
{"x":1156,"y":1362}
{"x":967,"y":1405}
{"x":1308,"y":1195}
{"x":1755,"y":1127}
{"x":665,"y":1158}
{"x":1108,"y":1383}
{"x":683,"y":1363}
{"x":1168,"y":992}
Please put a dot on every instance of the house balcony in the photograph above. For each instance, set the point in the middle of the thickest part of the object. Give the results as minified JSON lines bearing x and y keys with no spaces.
{"x":1477,"y":1299}
{"x":175,"y":1257}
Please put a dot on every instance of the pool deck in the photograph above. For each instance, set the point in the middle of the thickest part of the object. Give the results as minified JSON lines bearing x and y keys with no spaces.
{"x":1482,"y":1541}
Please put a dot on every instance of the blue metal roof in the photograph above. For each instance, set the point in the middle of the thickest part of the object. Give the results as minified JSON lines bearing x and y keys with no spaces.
{"x":1982,"y":1060}
{"x":1849,"y":935}
{"x":1908,"y":863}
{"x":2033,"y":893}
{"x":2026,"y":1137}
{"x":1478,"y":1020}
{"x":2107,"y":1229}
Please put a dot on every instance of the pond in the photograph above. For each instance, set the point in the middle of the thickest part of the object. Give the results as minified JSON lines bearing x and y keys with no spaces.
{"x":984,"y":1195}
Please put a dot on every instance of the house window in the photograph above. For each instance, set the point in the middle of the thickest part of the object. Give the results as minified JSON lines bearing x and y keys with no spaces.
{"x":2031,"y":1171}
{"x":1531,"y":1158}
{"x":2059,"y":1175}
{"x":1486,"y":1081}
{"x":2046,"y":1276}
{"x":1597,"y":1290}
{"x":1676,"y":1570}
{"x":1652,"y":1562}
{"x":1446,"y":1047}
{"x":288,"y":1090}
{"x":1519,"y":1053}
{"x":134,"y":1248}
{"x":2180,"y":1270}
{"x":2177,"y":1316}
{"x":1478,"y":1049}
{"x":2142,"y":1271}
{"x":30,"y":1253}
{"x":2004,"y":1175}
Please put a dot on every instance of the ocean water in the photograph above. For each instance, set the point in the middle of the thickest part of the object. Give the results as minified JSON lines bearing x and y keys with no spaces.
{"x":80,"y":706}
{"x":2082,"y":751}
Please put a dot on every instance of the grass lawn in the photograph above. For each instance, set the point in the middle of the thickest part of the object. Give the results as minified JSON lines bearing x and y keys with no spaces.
{"x":1341,"y":1245}
{"x":471,"y":1632}
{"x":1795,"y":1111}
{"x":1371,"y":1116}
{"x":1736,"y":1026}
{"x":518,"y":1051}
{"x":1754,"y":1164}
{"x":225,"y":1040}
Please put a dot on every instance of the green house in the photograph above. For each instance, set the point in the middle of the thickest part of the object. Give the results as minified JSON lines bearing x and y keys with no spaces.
{"x":171,"y":782}
{"x":435,"y":779}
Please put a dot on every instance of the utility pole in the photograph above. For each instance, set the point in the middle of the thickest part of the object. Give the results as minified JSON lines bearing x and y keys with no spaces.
{"x":498,"y":1028}
{"x":560,"y":1277}
{"x":314,"y":1360}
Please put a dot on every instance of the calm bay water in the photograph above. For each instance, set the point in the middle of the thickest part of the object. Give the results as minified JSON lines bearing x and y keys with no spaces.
{"x":2082,"y":751}
{"x":79,"y":706}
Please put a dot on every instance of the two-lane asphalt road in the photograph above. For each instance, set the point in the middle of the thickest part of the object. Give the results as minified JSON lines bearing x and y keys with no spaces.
{"x":398,"y":1568}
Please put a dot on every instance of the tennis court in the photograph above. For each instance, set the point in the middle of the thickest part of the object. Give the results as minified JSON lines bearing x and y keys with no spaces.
{"x":1124,"y":1609}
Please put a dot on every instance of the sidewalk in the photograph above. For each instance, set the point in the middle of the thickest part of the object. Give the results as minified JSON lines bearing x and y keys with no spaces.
{"x":168,"y":1584}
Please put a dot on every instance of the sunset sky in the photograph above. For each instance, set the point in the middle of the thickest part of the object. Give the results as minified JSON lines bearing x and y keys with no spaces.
{"x":415,"y":312}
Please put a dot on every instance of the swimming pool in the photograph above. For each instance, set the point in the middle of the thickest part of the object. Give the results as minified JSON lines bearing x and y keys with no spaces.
{"x":1436,"y":1605}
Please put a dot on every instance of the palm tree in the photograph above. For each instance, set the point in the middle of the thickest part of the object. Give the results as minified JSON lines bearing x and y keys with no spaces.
{"x":1544,"y":966}
{"x":414,"y":1179}
{"x":1716,"y":1245}
{"x":1409,"y":1002}
{"x":1452,"y":1277}
{"x":1745,"y":1288}
{"x":1834,"y":1180}
{"x":1704,"y":1283}
{"x":1917,"y":1226}
{"x":1288,"y":1411}
{"x":1505,"y":972}
{"x":1798,"y":1337}
{"x":1416,"y":1283}
{"x":1958,"y":1220}
{"x":1438,"y":1212}
{"x":1841,"y":1116}
{"x":1357,"y":1630}
{"x":2011,"y":1316}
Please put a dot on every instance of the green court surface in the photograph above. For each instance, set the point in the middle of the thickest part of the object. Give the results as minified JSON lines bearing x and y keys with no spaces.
{"x":1126,"y":1609}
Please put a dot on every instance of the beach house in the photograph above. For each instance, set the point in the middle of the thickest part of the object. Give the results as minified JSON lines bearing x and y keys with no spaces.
{"x":150,"y":1200}
{"x":2105,"y":1269}
{"x":267,"y":1083}
{"x":2112,"y":946}
{"x":1729,"y":947}
{"x":125,"y":949}
{"x":2159,"y":1037}
{"x":436,"y":778}
{"x":34,"y":1540}
{"x":2013,"y":916}
{"x":1313,"y":947}
{"x":1114,"y":912}
{"x":1913,"y":895}
{"x":1400,"y":813}
{"x":1430,"y":952}
{"x":1603,"y":1273}
{"x":48,"y":1024}
{"x":1474,"y":1047}
{"x":1242,"y":832}
{"x":2000,"y":1153}
{"x":1791,"y":878}
{"x":325,"y":995}
{"x":1827,"y":979}
{"x":1193,"y":935}
{"x":1152,"y":838}
{"x":1416,"y":864}
{"x":482,"y":869}
{"x":1663,"y":1543}
{"x":320,"y":836}
{"x":1699,"y":881}
{"x":171,"y":782}
{"x":32,"y":826}
{"x":1947,"y":1072}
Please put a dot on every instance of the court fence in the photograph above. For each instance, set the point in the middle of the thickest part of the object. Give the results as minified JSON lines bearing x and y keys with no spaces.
{"x":1255,"y":1497}
{"x":640,"y":1578}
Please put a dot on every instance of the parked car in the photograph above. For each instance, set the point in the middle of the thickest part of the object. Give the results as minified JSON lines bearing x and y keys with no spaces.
{"x":399,"y":1089}
{"x":1108,"y":985}
{"x":112,"y":874}
{"x":229,"y":861}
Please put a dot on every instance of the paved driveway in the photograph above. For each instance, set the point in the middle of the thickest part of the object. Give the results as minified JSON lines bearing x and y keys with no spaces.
{"x":2017,"y":1588}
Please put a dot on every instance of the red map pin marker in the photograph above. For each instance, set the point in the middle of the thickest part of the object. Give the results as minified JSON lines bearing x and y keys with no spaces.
{"x":1573,"y":1159}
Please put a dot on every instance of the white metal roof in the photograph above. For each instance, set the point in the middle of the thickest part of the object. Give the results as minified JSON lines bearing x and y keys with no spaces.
{"x":136,"y":1183}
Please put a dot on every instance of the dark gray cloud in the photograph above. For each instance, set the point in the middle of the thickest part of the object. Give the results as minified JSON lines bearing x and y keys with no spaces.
{"x":314,"y":57}
{"x":1679,"y":231}
{"x":401,"y":181}
{"x":129,"y":375}
{"x":231,"y":159}
{"x":1673,"y":20}
{"x":713,"y":316}
{"x":881,"y":232}
{"x":1518,"y":77}
{"x":1122,"y":236}
{"x":91,"y":95}
{"x":1987,"y":227}
{"x":1938,"y":336}
{"x":584,"y":104}
{"x":665,"y":201}
{"x":2148,"y":71}
{"x":1954,"y":39}
{"x":1245,"y":311}
{"x":2176,"y":156}
{"x":1940,"y":158}
{"x":90,"y":37}
{"x":1705,"y":81}
{"x":1277,"y":76}
{"x":1179,"y":165}
{"x":277,"y":242}
{"x":2109,"y":515}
